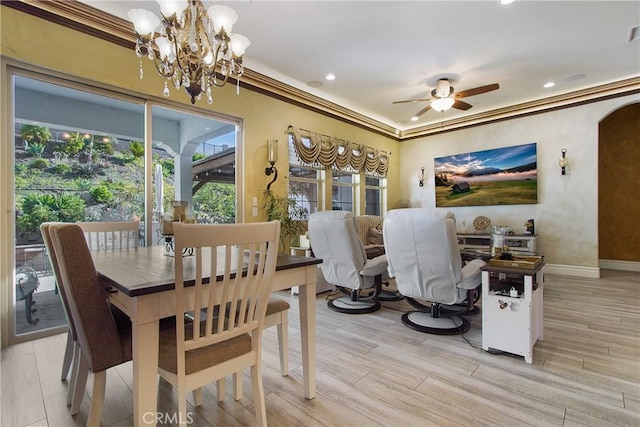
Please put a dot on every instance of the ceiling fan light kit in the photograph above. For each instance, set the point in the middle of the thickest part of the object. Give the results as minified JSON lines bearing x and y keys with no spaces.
{"x":442,"y":104}
{"x":443,"y":97}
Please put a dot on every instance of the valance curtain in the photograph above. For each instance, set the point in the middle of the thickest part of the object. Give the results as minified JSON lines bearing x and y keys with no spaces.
{"x":327,"y":151}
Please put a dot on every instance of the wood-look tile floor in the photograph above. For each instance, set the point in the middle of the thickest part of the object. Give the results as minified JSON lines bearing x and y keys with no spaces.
{"x":373,"y":371}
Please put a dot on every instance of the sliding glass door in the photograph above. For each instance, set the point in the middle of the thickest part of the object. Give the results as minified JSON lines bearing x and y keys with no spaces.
{"x":80,"y":155}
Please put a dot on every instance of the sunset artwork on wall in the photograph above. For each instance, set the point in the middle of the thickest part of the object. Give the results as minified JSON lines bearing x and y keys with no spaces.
{"x":502,"y":176}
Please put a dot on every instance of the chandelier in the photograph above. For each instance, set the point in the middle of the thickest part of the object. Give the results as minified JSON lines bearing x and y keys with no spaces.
{"x":195,"y":48}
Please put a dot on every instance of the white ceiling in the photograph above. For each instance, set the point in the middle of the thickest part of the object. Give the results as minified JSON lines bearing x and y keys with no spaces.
{"x":384,"y":51}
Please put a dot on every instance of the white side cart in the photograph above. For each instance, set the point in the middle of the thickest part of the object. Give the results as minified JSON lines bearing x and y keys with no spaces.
{"x":512,"y":323}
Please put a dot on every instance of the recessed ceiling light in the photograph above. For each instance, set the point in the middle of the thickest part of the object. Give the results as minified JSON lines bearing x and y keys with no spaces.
{"x":330,"y":76}
{"x":414,"y":119}
{"x":505,"y":2}
{"x":549,"y":84}
{"x":315,"y":83}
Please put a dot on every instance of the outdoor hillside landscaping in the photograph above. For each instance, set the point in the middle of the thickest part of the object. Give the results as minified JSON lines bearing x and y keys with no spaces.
{"x":80,"y":177}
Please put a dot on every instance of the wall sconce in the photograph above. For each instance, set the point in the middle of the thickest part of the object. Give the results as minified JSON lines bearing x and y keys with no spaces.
{"x":563,"y":162}
{"x":421,"y":177}
{"x":272,"y":153}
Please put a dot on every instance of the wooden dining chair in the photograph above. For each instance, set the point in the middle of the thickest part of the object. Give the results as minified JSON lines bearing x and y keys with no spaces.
{"x":229,"y":313}
{"x":277,"y":315}
{"x":104,"y":339}
{"x":101,"y":236}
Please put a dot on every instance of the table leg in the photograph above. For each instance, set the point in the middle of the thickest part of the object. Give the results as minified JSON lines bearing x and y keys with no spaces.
{"x":486,"y":281}
{"x":145,"y":371}
{"x":307,"y":301}
{"x":540,"y":305}
{"x":533,"y":325}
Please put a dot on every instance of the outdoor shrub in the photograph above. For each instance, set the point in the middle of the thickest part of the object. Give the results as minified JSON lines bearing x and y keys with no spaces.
{"x":73,"y":144}
{"x":83,"y":184}
{"x":39,"y":163}
{"x":168,"y":166}
{"x":86,"y":169}
{"x":137,"y":149}
{"x":20,"y":168}
{"x":39,"y":208}
{"x":122,"y":158}
{"x":198,"y":156}
{"x":104,"y":147}
{"x":35,"y":149}
{"x":61,"y":168}
{"x":35,"y":134}
{"x":101,"y":194}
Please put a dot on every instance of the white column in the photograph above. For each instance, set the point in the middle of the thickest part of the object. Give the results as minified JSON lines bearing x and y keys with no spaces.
{"x":183,"y":178}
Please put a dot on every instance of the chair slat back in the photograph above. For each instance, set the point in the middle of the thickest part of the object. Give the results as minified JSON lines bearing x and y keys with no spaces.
{"x":103,"y":236}
{"x":239,"y":300}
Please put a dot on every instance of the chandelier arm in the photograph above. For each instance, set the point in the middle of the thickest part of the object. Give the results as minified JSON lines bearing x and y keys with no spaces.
{"x":168,"y":70}
{"x":188,"y":56}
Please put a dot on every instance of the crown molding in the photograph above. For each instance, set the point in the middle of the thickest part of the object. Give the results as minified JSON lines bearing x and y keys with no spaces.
{"x":89,"y":20}
{"x":572,"y":99}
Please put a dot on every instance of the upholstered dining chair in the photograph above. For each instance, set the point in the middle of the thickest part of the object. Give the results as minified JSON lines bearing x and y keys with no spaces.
{"x":423,"y":254}
{"x":72,"y":349}
{"x":345,"y":265}
{"x":104,"y":235}
{"x":229,"y":313}
{"x":104,"y":340}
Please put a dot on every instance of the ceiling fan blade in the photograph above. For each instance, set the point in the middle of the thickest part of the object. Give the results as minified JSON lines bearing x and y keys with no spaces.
{"x":477,"y":90}
{"x":461,"y":105}
{"x":411,"y":100}
{"x":424,"y":110}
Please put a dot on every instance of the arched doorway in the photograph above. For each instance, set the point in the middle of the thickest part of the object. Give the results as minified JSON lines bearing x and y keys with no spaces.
{"x":618,"y":189}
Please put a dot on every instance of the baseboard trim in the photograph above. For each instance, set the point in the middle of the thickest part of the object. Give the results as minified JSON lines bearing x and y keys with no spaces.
{"x":572,"y":270}
{"x":611,"y":264}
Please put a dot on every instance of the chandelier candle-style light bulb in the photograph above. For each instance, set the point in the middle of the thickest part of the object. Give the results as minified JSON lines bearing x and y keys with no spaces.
{"x":197,"y":50}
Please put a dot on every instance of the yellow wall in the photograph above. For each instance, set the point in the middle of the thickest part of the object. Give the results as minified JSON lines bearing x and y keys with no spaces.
{"x":87,"y":57}
{"x":80,"y":57}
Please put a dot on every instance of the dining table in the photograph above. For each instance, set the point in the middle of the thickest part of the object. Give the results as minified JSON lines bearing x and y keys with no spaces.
{"x":142,"y":284}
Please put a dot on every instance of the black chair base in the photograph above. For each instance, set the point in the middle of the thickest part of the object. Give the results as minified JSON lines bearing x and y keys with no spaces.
{"x":424,"y":322}
{"x":389,"y":296}
{"x":348,"y":306}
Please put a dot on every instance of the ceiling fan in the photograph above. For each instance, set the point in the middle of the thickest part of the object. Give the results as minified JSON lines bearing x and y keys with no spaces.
{"x":443,"y":97}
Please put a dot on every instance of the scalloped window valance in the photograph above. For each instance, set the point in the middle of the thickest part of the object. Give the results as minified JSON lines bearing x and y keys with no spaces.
{"x":314,"y":149}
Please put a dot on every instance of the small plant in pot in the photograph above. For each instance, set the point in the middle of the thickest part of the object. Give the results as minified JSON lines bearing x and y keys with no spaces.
{"x":291,"y":215}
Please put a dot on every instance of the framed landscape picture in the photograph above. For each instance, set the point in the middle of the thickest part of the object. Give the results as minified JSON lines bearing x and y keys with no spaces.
{"x":502,"y":176}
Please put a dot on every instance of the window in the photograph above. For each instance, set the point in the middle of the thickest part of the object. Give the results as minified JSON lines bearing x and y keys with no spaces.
{"x":373,"y":191}
{"x":303,"y":188}
{"x":342,"y":191}
{"x":304,"y":182}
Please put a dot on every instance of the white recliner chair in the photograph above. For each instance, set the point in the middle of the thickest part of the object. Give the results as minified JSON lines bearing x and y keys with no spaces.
{"x":345,"y":265}
{"x":423,"y":256}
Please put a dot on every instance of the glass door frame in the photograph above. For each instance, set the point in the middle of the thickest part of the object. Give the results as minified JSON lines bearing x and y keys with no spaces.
{"x":10,"y":68}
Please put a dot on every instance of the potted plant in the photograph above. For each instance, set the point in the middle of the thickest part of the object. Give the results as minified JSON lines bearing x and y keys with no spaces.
{"x":291,"y":215}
